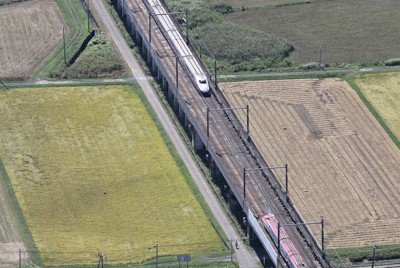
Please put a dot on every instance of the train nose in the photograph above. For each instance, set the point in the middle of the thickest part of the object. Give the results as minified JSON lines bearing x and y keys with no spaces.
{"x":202,"y":83}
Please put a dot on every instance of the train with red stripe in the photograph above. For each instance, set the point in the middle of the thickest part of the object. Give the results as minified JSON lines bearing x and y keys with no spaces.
{"x":287,"y":248}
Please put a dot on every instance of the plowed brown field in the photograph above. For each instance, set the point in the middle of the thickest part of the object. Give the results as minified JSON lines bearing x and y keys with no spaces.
{"x":342,"y":165}
{"x":28,"y":33}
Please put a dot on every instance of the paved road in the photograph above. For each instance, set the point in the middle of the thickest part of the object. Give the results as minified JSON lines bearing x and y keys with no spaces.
{"x":245,"y":258}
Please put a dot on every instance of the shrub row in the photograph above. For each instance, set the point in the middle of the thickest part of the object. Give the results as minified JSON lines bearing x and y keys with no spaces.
{"x":388,"y":254}
{"x":237,"y":44}
{"x":313,"y":66}
{"x":357,"y":255}
{"x":392,"y":62}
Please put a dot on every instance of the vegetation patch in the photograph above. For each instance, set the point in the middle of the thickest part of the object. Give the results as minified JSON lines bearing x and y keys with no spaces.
{"x":237,"y":48}
{"x":392,"y":62}
{"x":236,"y":44}
{"x":101,"y":61}
{"x":97,"y":60}
{"x":346,"y":256}
{"x":341,"y":31}
{"x":336,"y":33}
{"x":92,"y":174}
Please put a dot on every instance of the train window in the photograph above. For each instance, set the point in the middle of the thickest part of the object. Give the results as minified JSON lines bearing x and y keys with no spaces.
{"x":203,"y":81}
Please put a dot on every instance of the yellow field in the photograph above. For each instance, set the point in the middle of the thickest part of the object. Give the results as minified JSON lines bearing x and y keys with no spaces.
{"x":382,"y":91}
{"x":92,"y":173}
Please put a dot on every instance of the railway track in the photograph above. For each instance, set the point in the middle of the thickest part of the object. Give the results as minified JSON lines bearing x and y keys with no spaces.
{"x":227,"y":138}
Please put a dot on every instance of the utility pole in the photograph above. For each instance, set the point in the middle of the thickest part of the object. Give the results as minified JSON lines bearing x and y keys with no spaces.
{"x":3,"y":85}
{"x":286,"y":181}
{"x":320,"y":55}
{"x":322,"y":238}
{"x":176,"y":71}
{"x":286,"y":167}
{"x":88,"y":16}
{"x":279,"y":245}
{"x":215,"y":72}
{"x":373,"y":257}
{"x":157,"y":255}
{"x":101,"y":260}
{"x":248,"y":119}
{"x":65,"y":54}
{"x":187,"y":26}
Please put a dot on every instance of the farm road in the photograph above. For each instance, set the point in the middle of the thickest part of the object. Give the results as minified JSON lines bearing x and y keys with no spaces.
{"x":316,"y":73}
{"x":221,"y":76}
{"x":244,"y":257}
{"x":39,"y":82}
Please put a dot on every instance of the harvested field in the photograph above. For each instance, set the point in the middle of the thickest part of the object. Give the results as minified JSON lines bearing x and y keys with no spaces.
{"x":28,"y":33}
{"x":342,"y":165}
{"x":346,"y":31}
{"x":92,"y":173}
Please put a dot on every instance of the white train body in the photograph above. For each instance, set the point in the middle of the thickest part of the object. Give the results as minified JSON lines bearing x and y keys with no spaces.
{"x":180,"y":46}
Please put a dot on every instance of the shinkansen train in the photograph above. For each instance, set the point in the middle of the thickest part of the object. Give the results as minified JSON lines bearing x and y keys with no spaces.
{"x":185,"y":54}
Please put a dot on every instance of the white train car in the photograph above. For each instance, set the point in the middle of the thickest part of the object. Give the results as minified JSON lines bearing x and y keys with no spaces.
{"x":185,"y":54}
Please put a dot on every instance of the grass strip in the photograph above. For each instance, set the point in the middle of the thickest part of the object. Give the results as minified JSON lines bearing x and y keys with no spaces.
{"x":76,"y":19}
{"x":360,"y":254}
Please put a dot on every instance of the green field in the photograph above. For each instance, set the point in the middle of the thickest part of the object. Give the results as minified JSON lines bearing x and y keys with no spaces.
{"x":236,"y":47}
{"x":263,"y":35}
{"x":346,"y":31}
{"x":91,"y":173}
